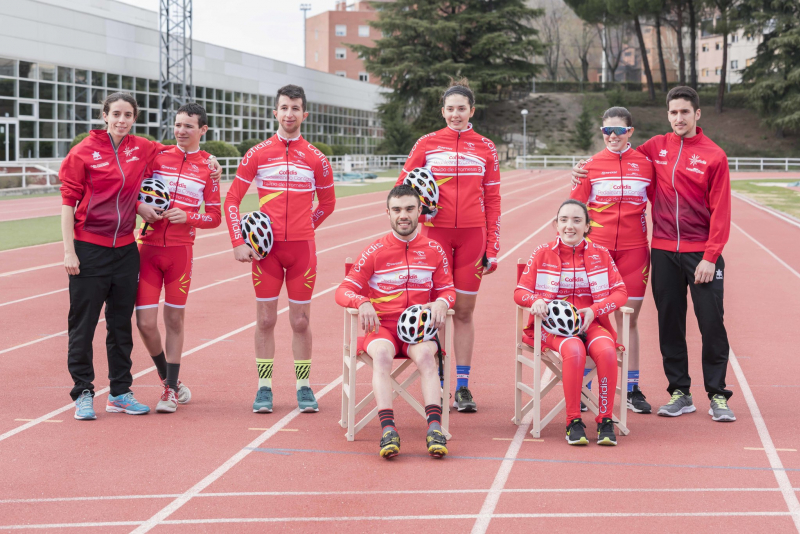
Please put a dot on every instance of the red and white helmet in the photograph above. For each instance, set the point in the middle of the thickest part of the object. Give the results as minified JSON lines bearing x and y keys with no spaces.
{"x":154,"y":193}
{"x":416,"y":325}
{"x":421,"y":179}
{"x":257,"y":232}
{"x":562,"y":319}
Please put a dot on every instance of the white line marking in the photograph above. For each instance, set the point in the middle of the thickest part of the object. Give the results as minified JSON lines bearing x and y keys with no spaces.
{"x":768,"y":251}
{"x":507,"y":254}
{"x":762,"y":448}
{"x":766,"y":440}
{"x":33,"y":297}
{"x":29,"y":247}
{"x":46,"y":266}
{"x":758,"y":205}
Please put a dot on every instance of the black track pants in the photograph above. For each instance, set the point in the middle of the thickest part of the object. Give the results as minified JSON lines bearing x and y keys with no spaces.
{"x":671,"y":273}
{"x":110,"y":276}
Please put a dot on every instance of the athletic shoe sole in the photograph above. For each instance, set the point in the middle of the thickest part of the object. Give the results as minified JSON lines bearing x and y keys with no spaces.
{"x":390,"y":451}
{"x":467,"y":409}
{"x":116,"y":409}
{"x":184,"y":394}
{"x":437,"y":451}
{"x":606,"y":441}
{"x":685,"y":409}
{"x":632,"y":408}
{"x":166,"y":408}
{"x":262,"y":410}
{"x":85,"y":418}
{"x":582,"y":441}
{"x":722,"y":418}
{"x":309,"y":410}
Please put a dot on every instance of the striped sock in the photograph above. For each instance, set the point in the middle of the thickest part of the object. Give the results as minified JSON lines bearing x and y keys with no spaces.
{"x":387,"y":420}
{"x":589,"y":383}
{"x":462,"y":376}
{"x":264,"y":372}
{"x":302,"y":370}
{"x":633,"y":379}
{"x":434,"y":413}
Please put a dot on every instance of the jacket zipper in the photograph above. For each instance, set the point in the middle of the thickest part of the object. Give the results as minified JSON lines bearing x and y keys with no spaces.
{"x":457,"y":141}
{"x":677,"y":221}
{"x":408,"y":272}
{"x":177,"y":183}
{"x":119,"y":165}
{"x":286,"y":218}
{"x":619,"y":206}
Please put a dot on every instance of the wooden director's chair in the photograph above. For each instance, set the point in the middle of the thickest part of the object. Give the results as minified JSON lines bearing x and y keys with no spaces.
{"x":552,"y":361}
{"x":354,"y":352}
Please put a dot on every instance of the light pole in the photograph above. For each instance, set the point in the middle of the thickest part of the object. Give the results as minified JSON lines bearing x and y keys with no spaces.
{"x":305,"y":8}
{"x":524,"y":138}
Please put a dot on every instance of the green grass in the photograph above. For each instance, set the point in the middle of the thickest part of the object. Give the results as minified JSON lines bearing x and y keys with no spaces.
{"x":780,"y":198}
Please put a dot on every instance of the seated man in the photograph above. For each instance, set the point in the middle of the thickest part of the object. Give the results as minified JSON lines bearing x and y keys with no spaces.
{"x":399,"y":270}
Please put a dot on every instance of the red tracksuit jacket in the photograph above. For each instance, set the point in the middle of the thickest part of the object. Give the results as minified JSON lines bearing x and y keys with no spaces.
{"x":692,"y":201}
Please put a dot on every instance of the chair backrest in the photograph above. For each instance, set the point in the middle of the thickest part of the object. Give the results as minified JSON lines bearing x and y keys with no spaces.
{"x":348,"y":264}
{"x":520,"y":268}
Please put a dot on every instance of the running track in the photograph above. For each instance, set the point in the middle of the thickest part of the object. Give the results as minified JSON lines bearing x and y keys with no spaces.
{"x":215,"y":466}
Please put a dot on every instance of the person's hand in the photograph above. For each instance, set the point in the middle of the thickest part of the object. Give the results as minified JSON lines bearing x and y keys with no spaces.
{"x":539,"y":308}
{"x":438,"y":312}
{"x":704,"y":272}
{"x":588,"y":317}
{"x":148,"y":213}
{"x":214,"y":164}
{"x":489,"y":265}
{"x":175,"y":216}
{"x":72,"y":263}
{"x":244,"y":254}
{"x":368,"y":317}
{"x":578,"y":173}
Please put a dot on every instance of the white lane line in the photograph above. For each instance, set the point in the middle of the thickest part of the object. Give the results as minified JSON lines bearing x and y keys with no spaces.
{"x":767,"y":209}
{"x":766,"y":440}
{"x":33,"y":297}
{"x":511,"y":251}
{"x":768,"y":251}
{"x":29,"y":269}
{"x":484,"y":517}
{"x":29,"y":247}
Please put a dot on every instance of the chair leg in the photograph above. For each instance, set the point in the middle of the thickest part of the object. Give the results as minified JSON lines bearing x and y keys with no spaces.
{"x":517,"y":391}
{"x":536,"y":431}
{"x":351,"y":399}
{"x":446,"y":397}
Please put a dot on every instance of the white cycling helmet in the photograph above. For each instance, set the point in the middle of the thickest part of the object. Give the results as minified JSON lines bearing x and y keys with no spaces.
{"x":562,"y":319}
{"x":421,"y":179}
{"x":154,"y":193}
{"x":416,"y":325}
{"x":257,"y":232}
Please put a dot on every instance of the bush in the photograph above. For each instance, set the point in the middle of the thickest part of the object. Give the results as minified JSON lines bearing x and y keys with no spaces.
{"x":247,"y":144}
{"x":583,"y":135}
{"x":220,"y":149}
{"x":339,"y":150}
{"x":78,"y":139}
{"x":169,"y":142}
{"x":146,"y":136}
{"x":325,"y":149}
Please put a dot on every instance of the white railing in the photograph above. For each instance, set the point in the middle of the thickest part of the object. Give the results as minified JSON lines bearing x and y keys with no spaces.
{"x":735,"y":164}
{"x":29,"y":173}
{"x":348,"y":163}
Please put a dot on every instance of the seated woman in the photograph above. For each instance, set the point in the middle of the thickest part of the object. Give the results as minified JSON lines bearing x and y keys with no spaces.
{"x":583,"y":274}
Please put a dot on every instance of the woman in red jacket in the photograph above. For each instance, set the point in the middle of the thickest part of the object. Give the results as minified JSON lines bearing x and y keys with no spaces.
{"x":573,"y":269}
{"x":100,"y":181}
{"x":467,"y":223}
{"x":616,"y":191}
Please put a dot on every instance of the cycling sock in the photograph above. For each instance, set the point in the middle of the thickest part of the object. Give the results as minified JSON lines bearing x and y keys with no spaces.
{"x":161,"y":364}
{"x":589,"y":383}
{"x":434,"y":413}
{"x":172,"y":375}
{"x":387,"y":420}
{"x":264,"y":372}
{"x":462,"y":376}
{"x":633,"y":380}
{"x":302,"y":369}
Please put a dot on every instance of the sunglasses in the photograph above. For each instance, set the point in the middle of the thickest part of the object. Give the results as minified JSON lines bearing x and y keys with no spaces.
{"x":618,"y":130}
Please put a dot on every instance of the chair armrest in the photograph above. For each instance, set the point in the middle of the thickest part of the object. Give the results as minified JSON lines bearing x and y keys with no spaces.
{"x":451,"y":312}
{"x":626,"y":309}
{"x":351,"y":311}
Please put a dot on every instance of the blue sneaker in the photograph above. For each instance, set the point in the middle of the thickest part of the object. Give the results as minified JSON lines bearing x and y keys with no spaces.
{"x":306,"y":400}
{"x":126,"y":403}
{"x":263,"y":402}
{"x":84,"y":408}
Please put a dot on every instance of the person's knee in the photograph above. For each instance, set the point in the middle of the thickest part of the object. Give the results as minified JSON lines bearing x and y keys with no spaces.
{"x":173,"y":321}
{"x":266,"y":322}
{"x":382,"y":359}
{"x":146,"y":324}
{"x":299,"y":323}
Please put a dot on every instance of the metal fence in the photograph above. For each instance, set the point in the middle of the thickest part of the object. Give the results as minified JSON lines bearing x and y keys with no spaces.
{"x":29,"y":173}
{"x":735,"y":164}
{"x":348,"y":163}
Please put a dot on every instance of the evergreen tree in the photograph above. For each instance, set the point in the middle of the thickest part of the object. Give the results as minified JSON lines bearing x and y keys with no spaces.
{"x":584,"y":133}
{"x":428,"y":42}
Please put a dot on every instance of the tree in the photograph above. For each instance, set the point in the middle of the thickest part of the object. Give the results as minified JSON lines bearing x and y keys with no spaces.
{"x":693,"y":40}
{"x":637,"y":8}
{"x":662,"y":66}
{"x":549,"y":27}
{"x":398,"y":136}
{"x":584,"y":134}
{"x":582,"y":43}
{"x":78,"y":138}
{"x":428,"y":42}
{"x":677,"y":7}
{"x":725,"y":24}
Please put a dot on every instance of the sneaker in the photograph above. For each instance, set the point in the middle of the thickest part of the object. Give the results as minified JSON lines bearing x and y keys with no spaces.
{"x":306,"y":400}
{"x":263,"y":403}
{"x":464,"y":402}
{"x":168,"y":402}
{"x":576,"y":435}
{"x":126,"y":403}
{"x":605,"y":432}
{"x":637,"y":402}
{"x":437,"y":443}
{"x":719,"y":410}
{"x":184,"y":393}
{"x":84,"y":406}
{"x":584,"y":408}
{"x":679,"y":404}
{"x":390,"y":444}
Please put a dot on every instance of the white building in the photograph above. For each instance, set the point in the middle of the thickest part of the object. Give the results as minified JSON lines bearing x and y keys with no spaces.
{"x":58,"y":61}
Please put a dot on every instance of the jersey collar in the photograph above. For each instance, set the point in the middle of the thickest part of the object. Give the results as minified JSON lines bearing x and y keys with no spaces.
{"x":465,"y":130}
{"x":285,"y":140}
{"x":186,"y":151}
{"x":627,"y":147}
{"x":416,"y":234}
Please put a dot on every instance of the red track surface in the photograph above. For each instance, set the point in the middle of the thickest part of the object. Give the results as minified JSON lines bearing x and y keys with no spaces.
{"x":198,"y":468}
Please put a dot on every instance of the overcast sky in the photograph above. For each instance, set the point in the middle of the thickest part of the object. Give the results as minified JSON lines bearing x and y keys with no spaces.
{"x":270,"y":28}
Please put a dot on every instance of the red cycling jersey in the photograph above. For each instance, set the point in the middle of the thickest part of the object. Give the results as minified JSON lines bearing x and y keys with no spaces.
{"x":394,"y":274}
{"x":188,"y":178}
{"x":287,"y":173}
{"x":466,"y":168}
{"x":584,"y":275}
{"x":616,"y":191}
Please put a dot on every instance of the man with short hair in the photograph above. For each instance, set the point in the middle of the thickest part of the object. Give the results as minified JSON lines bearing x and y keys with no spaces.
{"x":288,"y":171}
{"x":691,"y":224}
{"x":401,"y":269}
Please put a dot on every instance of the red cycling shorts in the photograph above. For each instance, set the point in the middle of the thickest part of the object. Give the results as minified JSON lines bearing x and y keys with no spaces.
{"x":634,"y":267}
{"x":464,"y":248}
{"x":170,"y":267}
{"x":388,"y":332}
{"x":296,"y":261}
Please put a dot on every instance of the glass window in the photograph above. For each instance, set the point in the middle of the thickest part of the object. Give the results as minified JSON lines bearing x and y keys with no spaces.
{"x":65,"y":130}
{"x":81,"y":76}
{"x":7,"y":108}
{"x":363,"y":31}
{"x":81,"y":94}
{"x":152,"y":117}
{"x":263,"y":101}
{"x":81,"y":127}
{"x":363,"y":76}
{"x":47,"y":72}
{"x":63,"y":149}
{"x":81,"y":113}
{"x":341,"y":53}
{"x":228,"y":96}
{"x":210,"y":121}
{"x":46,"y":91}
{"x":341,"y":30}
{"x":341,"y":73}
{"x":237,"y":97}
{"x":153,"y":86}
{"x":27,"y":109}
{"x":46,"y":130}
{"x":219,"y":95}
{"x":27,"y":89}
{"x":8,"y":67}
{"x":27,"y":70}
{"x":66,"y":112}
{"x":113,"y":81}
{"x":46,"y":110}
{"x":153,"y":101}
{"x":141,"y":99}
{"x":127,"y":83}
{"x":27,"y":149}
{"x":46,"y":149}
{"x":65,"y":93}
{"x":8,"y":87}
{"x":98,"y":95}
{"x":65,"y":74}
{"x":141,"y":84}
{"x":220,"y":108}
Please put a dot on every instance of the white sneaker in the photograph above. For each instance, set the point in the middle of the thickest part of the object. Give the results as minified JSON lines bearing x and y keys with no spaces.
{"x":168,"y":402}
{"x":184,"y":393}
